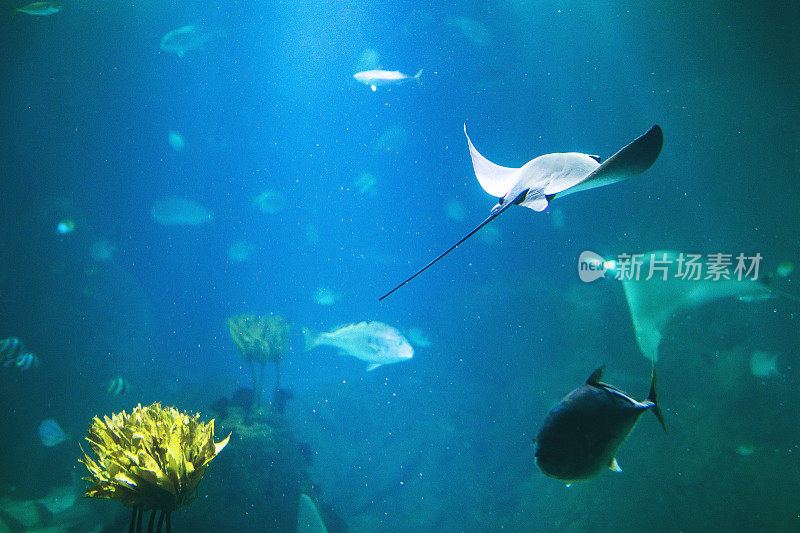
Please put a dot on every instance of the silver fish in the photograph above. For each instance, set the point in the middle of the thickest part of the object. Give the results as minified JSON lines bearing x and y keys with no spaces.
{"x":185,"y":39}
{"x":372,"y":342}
{"x":376,"y":78}
{"x":39,"y":8}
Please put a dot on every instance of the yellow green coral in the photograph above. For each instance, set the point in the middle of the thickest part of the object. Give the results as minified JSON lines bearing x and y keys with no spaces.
{"x":153,"y":458}
{"x":259,"y":338}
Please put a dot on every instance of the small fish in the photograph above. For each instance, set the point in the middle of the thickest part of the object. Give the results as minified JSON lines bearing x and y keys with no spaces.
{"x":117,"y":386}
{"x":326,"y":296}
{"x":376,"y":78}
{"x":176,"y":141}
{"x":65,"y":227}
{"x":10,"y":350}
{"x":102,"y":251}
{"x":785,"y":269}
{"x":372,"y":342}
{"x":38,"y":8}
{"x":174,"y":211}
{"x":185,"y":39}
{"x":764,"y":364}
{"x":745,"y":449}
{"x":270,"y":202}
{"x":50,"y":433}
{"x":365,"y":183}
{"x":581,"y":435}
{"x":241,"y":251}
{"x":27,"y":361}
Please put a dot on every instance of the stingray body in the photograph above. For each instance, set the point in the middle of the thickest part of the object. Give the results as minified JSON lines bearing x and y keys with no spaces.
{"x":654,"y":302}
{"x":539,"y":181}
{"x":581,"y":435}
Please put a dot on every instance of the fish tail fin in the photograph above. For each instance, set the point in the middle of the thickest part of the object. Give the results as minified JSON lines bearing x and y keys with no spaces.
{"x":654,"y":399}
{"x":312,"y":339}
{"x":14,"y":9}
{"x":418,"y":77}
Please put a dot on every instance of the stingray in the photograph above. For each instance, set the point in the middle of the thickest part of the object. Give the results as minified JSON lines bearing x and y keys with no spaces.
{"x":549,"y":176}
{"x":308,"y":518}
{"x":654,"y":302}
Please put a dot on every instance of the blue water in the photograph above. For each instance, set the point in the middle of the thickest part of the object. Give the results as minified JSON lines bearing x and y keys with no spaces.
{"x":443,"y":441}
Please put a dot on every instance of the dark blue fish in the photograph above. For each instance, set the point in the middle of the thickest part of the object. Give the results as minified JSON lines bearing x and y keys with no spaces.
{"x":581,"y":435}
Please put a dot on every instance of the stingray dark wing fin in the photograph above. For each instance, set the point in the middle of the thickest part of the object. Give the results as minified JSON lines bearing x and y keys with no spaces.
{"x":631,"y":160}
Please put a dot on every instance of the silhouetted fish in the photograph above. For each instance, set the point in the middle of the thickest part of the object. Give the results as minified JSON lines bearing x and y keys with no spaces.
{"x":305,"y":450}
{"x":279,"y":399}
{"x":243,"y":397}
{"x":581,"y":435}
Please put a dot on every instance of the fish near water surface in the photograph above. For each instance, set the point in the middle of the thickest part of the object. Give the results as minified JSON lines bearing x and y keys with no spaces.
{"x":372,"y":342}
{"x":581,"y":435}
{"x":542,"y":179}
{"x":377,"y":78}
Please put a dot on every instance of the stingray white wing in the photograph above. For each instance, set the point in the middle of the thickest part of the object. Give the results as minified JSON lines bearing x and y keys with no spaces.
{"x":562,"y":171}
{"x":494,"y":179}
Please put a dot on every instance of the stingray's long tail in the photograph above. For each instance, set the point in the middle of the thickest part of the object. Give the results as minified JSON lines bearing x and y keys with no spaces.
{"x":488,"y":219}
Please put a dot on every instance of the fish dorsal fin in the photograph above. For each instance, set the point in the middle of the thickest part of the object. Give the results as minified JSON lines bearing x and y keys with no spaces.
{"x":372,"y":367}
{"x":494,"y":179}
{"x":596,"y":376}
{"x":614,"y":465}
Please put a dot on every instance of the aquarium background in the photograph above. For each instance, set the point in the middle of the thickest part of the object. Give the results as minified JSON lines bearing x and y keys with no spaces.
{"x":445,"y":440}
